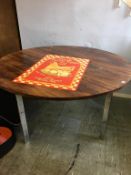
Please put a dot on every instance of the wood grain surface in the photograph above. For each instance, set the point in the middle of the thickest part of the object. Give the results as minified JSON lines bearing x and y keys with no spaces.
{"x":106,"y":72}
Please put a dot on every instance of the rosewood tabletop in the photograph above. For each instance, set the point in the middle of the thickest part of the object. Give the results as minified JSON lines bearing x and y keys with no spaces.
{"x":105,"y":73}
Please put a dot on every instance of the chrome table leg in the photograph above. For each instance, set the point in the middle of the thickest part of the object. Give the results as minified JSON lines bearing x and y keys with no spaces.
{"x":22,"y":115}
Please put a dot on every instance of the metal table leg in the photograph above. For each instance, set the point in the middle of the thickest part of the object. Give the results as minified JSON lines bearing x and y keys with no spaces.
{"x":106,"y":107}
{"x":22,"y":115}
{"x":105,"y":114}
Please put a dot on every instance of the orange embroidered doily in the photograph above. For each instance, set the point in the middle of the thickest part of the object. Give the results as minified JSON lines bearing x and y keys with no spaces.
{"x":55,"y":71}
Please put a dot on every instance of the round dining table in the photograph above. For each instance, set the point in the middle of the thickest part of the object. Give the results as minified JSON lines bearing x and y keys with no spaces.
{"x":105,"y":73}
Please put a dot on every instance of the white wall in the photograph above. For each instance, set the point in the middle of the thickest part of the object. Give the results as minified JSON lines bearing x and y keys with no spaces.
{"x":75,"y":22}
